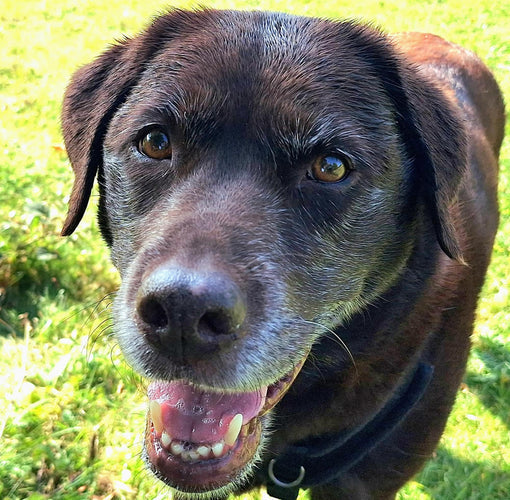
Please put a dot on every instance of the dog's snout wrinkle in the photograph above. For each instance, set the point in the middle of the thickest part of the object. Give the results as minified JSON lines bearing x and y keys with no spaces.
{"x":190,"y":313}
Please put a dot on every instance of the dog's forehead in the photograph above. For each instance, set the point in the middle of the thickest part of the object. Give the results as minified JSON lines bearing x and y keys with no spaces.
{"x":239,"y":53}
{"x":292,"y":72}
{"x":249,"y":37}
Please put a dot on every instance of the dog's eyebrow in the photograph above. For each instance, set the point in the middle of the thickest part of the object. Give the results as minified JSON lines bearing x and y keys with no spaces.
{"x":287,"y":125}
{"x":194,"y":112}
{"x":289,"y":136}
{"x":301,"y":135}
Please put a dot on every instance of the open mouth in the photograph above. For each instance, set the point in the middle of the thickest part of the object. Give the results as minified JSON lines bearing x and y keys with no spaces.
{"x":199,"y":440}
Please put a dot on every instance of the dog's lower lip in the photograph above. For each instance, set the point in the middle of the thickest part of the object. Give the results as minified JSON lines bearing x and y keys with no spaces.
{"x":201,"y":475}
{"x":209,"y":466}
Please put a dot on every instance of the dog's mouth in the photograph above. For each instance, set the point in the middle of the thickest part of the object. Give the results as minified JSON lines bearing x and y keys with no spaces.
{"x":200,"y":440}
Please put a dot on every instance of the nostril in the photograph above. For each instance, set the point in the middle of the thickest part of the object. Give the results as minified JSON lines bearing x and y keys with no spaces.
{"x":187,"y":313}
{"x":216,"y":323}
{"x":152,"y":312}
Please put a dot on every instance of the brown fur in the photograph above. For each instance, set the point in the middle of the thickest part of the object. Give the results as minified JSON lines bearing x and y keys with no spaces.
{"x":391,"y":260}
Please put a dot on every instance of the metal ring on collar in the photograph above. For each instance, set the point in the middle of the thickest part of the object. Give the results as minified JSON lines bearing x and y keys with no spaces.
{"x":293,"y":484}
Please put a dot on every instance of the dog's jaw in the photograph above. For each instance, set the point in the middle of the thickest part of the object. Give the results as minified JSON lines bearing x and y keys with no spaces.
{"x":234,"y":482}
{"x":194,"y":442}
{"x":212,"y":478}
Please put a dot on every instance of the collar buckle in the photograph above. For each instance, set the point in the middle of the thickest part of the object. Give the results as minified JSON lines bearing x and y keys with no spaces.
{"x":281,"y":489}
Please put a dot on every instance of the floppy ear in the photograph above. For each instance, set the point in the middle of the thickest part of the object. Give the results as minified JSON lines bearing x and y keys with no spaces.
{"x":432,"y":130}
{"x":436,"y":139}
{"x":436,"y":142}
{"x":96,"y":91}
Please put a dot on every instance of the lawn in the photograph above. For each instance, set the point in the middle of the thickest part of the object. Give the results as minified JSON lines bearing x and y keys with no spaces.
{"x":72,"y":409}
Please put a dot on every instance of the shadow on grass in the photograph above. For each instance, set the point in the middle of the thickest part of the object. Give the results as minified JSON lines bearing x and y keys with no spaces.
{"x":448,"y":477}
{"x":492,"y":385}
{"x":18,"y":302}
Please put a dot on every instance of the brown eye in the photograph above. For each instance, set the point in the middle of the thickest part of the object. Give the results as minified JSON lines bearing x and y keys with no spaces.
{"x":330,"y":169}
{"x":155,"y":144}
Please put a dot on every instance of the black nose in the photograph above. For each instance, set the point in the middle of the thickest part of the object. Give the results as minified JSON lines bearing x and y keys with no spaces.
{"x":187,"y":313}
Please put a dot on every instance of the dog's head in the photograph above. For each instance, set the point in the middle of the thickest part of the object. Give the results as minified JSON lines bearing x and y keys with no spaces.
{"x":262,"y":177}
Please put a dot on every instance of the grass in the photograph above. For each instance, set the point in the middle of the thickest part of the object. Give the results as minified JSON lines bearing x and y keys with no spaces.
{"x":72,"y":410}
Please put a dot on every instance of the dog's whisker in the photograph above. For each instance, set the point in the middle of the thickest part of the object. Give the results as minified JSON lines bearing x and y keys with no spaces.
{"x":92,"y":307}
{"x":104,"y":329}
{"x":335,"y":336}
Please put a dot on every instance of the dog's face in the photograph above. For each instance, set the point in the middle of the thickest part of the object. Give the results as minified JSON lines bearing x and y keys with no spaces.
{"x":259,"y":184}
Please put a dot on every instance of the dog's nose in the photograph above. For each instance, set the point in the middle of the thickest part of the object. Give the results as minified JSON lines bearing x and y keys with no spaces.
{"x":189,"y":314}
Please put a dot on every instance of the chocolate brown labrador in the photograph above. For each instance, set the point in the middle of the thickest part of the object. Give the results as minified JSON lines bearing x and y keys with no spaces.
{"x":302,"y":214}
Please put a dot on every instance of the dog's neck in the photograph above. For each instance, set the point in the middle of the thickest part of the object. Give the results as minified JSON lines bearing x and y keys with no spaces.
{"x":324,"y":459}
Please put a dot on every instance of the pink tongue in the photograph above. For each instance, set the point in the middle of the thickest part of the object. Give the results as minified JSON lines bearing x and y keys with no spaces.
{"x":192,"y":415}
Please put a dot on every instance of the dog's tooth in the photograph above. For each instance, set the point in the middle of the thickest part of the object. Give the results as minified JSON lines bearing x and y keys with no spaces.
{"x":193,"y":455}
{"x":234,"y":429}
{"x":176,"y":448}
{"x":166,"y":439}
{"x":204,"y":451}
{"x":155,"y":412}
{"x":217,"y":449}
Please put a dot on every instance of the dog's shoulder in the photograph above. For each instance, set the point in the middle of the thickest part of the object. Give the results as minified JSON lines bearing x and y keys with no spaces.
{"x":462,"y":76}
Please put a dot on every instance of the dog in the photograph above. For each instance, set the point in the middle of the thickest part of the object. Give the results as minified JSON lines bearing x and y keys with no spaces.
{"x":302,"y":213}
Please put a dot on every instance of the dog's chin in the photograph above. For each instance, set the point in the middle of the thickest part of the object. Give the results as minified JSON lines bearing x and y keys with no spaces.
{"x":204,"y":443}
{"x":210,"y":478}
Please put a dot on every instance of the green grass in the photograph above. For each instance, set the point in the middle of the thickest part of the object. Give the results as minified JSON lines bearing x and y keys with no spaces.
{"x":72,"y":411}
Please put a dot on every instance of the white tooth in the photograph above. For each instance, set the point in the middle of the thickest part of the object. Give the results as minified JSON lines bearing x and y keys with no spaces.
{"x":233,"y":430}
{"x":155,"y":411}
{"x":193,"y":455}
{"x":166,"y":439}
{"x":186,"y":456}
{"x":176,"y":448}
{"x":204,"y":451}
{"x":217,"y":449}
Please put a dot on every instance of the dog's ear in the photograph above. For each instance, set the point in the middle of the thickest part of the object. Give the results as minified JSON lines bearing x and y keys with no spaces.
{"x":96,"y":91}
{"x":432,"y":130}
{"x":437,"y":144}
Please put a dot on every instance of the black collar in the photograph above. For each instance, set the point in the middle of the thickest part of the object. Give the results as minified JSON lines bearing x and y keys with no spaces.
{"x":321,"y":460}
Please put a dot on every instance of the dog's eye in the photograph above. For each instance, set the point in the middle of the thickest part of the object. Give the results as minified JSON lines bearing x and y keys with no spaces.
{"x":155,"y":144}
{"x":329,"y":169}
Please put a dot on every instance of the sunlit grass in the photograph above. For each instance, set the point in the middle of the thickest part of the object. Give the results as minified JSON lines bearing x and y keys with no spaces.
{"x":72,"y":411}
